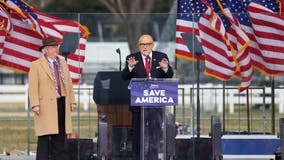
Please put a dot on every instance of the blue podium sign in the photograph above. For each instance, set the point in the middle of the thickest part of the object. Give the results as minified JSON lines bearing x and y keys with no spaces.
{"x":154,"y":92}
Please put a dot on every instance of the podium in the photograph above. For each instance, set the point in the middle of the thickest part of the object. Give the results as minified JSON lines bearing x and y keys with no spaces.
{"x":111,"y":96}
{"x":155,"y":98}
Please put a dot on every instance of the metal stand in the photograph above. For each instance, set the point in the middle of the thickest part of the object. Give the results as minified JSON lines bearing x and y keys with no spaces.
{"x":281,"y":128}
{"x":216,"y":138}
{"x":170,"y":133}
{"x":142,"y":137}
{"x":102,"y":139}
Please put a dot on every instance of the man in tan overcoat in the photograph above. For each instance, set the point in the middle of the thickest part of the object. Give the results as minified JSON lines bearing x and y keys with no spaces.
{"x":52,"y":100}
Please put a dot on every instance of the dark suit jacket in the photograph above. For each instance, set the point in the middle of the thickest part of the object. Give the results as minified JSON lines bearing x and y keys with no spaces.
{"x":139,"y":69}
{"x":140,"y":72}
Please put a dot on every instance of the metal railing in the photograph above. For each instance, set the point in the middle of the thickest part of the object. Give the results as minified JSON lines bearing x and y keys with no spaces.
{"x":85,"y":117}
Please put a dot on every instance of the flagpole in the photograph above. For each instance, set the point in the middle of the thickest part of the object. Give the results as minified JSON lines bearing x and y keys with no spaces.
{"x":248,"y":111}
{"x":191,"y":42}
{"x":198,"y":129}
{"x":272,"y":105}
{"x":224,"y":108}
{"x":198,"y":98}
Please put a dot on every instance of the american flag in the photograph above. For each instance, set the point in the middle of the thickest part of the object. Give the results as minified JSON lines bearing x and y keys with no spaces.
{"x":240,"y":41}
{"x":5,"y":21}
{"x":268,"y":27}
{"x":219,"y":61}
{"x":243,"y":59}
{"x":23,"y":11}
{"x":20,"y":48}
{"x":5,"y":26}
{"x":188,"y":14}
{"x":259,"y":61}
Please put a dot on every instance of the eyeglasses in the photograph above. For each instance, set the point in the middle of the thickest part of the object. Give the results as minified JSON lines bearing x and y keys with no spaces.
{"x":145,"y":44}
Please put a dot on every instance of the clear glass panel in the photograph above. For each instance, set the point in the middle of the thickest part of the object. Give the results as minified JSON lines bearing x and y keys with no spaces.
{"x":154,"y":133}
{"x":240,"y":113}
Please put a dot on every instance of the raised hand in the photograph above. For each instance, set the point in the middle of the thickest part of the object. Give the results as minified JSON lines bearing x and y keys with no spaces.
{"x":132,"y":61}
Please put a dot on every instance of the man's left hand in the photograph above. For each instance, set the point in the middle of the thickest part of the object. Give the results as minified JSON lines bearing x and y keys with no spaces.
{"x":73,"y":107}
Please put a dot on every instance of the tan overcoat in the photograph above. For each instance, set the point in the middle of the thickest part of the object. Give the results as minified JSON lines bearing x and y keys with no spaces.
{"x":42,"y":92}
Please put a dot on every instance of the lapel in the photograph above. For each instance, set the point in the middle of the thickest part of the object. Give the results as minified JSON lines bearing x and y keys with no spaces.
{"x":45,"y":66}
{"x":153,"y":60}
{"x":141,"y":64}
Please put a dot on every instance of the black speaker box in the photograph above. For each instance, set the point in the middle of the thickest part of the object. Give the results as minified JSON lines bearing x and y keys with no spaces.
{"x":194,"y":149}
{"x":85,"y":147}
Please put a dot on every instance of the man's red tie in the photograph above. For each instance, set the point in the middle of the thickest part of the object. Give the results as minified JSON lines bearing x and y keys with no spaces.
{"x":147,"y":67}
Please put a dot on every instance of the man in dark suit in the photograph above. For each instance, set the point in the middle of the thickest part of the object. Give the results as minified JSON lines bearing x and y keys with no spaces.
{"x":147,"y":64}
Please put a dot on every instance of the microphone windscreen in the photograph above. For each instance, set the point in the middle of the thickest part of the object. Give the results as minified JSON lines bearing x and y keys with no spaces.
{"x":118,"y":50}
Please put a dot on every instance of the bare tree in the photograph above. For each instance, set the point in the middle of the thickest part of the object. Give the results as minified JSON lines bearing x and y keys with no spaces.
{"x":134,"y":14}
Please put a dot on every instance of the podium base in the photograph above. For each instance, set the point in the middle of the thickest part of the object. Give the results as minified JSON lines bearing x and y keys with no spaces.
{"x":121,"y":142}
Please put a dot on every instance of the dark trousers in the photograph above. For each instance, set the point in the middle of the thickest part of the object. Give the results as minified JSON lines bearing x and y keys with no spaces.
{"x":153,"y":124}
{"x":54,"y":146}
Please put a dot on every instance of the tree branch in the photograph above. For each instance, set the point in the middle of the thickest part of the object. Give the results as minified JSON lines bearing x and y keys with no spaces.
{"x":110,"y":5}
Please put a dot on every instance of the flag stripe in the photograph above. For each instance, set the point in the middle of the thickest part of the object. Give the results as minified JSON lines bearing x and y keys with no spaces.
{"x":268,"y":28}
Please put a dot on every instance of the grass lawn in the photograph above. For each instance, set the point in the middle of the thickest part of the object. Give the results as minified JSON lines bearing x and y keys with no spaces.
{"x":14,"y":124}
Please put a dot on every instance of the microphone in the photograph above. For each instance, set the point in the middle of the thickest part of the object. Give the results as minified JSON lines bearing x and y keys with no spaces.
{"x":118,"y":52}
{"x":149,"y":58}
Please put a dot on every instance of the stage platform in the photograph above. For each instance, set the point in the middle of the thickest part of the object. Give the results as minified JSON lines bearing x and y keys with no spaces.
{"x":17,"y":157}
{"x":226,"y":157}
{"x":234,"y":147}
{"x":32,"y":157}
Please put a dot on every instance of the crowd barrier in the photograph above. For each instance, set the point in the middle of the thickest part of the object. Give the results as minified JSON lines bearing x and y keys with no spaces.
{"x":210,"y":96}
